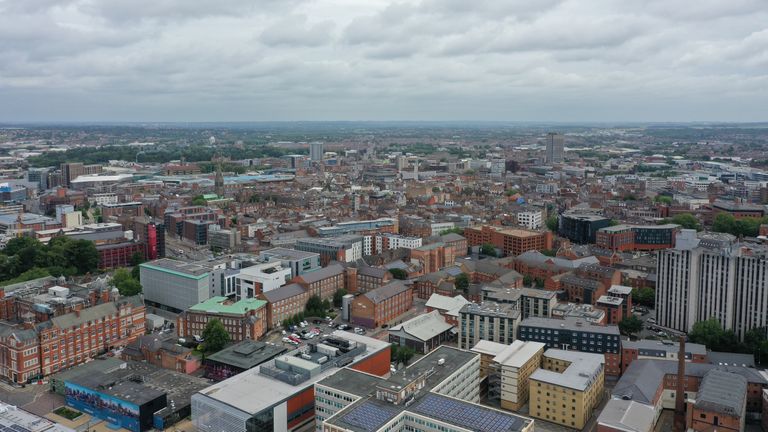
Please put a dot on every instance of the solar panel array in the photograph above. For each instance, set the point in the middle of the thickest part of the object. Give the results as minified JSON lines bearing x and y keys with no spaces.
{"x":369,"y":416}
{"x":466,"y":415}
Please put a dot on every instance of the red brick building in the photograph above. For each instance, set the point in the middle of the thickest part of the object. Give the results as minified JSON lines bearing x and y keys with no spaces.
{"x":382,"y":305}
{"x":30,"y":350}
{"x":510,"y":241}
{"x":245,"y":319}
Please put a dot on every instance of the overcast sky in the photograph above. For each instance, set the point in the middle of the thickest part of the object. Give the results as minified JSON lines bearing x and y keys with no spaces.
{"x":509,"y":60}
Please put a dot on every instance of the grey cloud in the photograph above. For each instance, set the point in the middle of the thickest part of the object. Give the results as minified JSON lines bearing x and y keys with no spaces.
{"x":380,"y":59}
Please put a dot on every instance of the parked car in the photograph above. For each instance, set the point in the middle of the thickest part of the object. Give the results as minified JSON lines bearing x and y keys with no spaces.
{"x":359,"y":331}
{"x":651,"y":320}
{"x":344,"y":327}
{"x":286,"y":340}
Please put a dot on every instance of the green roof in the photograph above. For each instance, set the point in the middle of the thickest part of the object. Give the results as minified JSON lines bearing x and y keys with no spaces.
{"x":216,"y":304}
{"x":210,"y":196}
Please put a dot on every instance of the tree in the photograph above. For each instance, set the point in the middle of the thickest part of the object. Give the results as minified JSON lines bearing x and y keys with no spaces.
{"x":125,"y":283}
{"x":338,"y":296}
{"x":461,"y":282}
{"x":711,"y":334}
{"x":399,"y":273}
{"x":663,"y":199}
{"x":454,"y":230}
{"x":687,"y":221}
{"x":630,"y":325}
{"x":644,"y":296}
{"x":215,"y":336}
{"x":488,"y":250}
{"x":83,"y":256}
{"x":756,"y":343}
{"x":136,"y":259}
{"x":401,"y":354}
{"x":315,"y":306}
{"x":199,"y":201}
{"x":552,"y":223}
{"x":527,"y":280}
{"x":539,"y":282}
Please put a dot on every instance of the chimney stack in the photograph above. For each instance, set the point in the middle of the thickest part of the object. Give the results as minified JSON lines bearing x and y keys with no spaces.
{"x":679,"y":399}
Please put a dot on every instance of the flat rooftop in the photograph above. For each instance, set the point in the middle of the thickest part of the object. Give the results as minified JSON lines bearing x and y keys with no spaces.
{"x":179,"y":268}
{"x":223,"y":305}
{"x":247,"y":354}
{"x":569,"y":323}
{"x":579,"y":375}
{"x":238,"y":391}
{"x":288,"y":254}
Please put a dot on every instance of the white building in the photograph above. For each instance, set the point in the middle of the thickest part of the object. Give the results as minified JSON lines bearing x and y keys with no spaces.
{"x":261,"y":278}
{"x":711,"y":275}
{"x":439,"y":227}
{"x":530,"y":219}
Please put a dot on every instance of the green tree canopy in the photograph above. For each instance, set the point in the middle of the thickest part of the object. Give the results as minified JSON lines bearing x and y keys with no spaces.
{"x":685,"y":220}
{"x":644,"y":296}
{"x":630,"y":325}
{"x":125,"y":283}
{"x":399,"y":273}
{"x":488,"y":249}
{"x":712,"y":334}
{"x":461,"y":282}
{"x":215,"y":335}
{"x":552,"y":223}
{"x":338,"y":295}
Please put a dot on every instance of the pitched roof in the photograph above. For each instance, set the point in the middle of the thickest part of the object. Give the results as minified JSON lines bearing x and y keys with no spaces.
{"x":424,"y":327}
{"x":284,"y":292}
{"x":323,"y":273}
{"x":387,"y":291}
{"x":722,"y":392}
{"x":451,"y":305}
{"x":88,"y":314}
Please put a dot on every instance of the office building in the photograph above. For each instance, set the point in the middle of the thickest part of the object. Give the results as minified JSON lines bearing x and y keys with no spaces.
{"x":175,"y":285}
{"x":512,"y":242}
{"x":555,"y":147}
{"x":316,"y":151}
{"x":530,"y":219}
{"x":576,"y":334}
{"x":136,"y":396}
{"x":258,"y":278}
{"x":438,"y":393}
{"x":244,"y":319}
{"x":711,"y":275}
{"x":287,"y":402}
{"x":362,"y":227}
{"x":487,"y":321}
{"x":567,"y":388}
{"x":344,"y":248}
{"x":71,"y":171}
{"x":223,"y":239}
{"x":580,"y":227}
{"x":623,"y":238}
{"x":239,"y":358}
{"x":530,"y":302}
{"x":299,"y":262}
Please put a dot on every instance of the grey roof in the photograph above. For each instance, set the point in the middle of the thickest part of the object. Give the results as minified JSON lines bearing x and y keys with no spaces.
{"x":387,"y":291}
{"x":654,"y":345}
{"x":284,"y":292}
{"x":451,"y":237}
{"x":85,"y":315}
{"x":246,"y":354}
{"x":581,"y":282}
{"x":570,"y":323}
{"x":423,"y":327}
{"x":323,"y":273}
{"x":376,"y":272}
{"x":20,"y":334}
{"x":288,"y":254}
{"x":722,"y":392}
{"x":731,"y":359}
{"x":643,"y":377}
{"x":538,"y":259}
{"x":627,"y":415}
